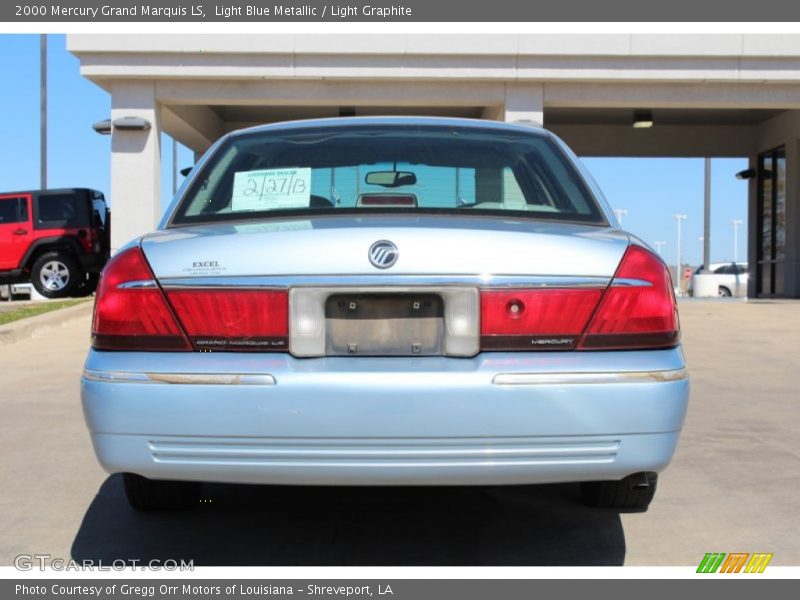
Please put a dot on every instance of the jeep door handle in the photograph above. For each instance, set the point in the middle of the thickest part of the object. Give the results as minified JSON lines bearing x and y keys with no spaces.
{"x":20,"y":231}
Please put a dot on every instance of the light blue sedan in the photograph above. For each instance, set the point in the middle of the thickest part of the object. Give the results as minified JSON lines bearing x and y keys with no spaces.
{"x":386,"y":301}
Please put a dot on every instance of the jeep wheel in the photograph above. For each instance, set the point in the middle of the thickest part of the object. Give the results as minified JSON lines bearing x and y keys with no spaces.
{"x":153,"y":494}
{"x":631,"y":494}
{"x":56,"y":274}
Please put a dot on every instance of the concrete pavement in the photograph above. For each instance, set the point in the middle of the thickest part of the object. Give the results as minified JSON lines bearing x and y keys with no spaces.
{"x":731,"y":488}
{"x":733,"y":484}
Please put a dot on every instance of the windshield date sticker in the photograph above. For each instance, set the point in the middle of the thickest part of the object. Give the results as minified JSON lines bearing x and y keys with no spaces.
{"x":271,"y":189}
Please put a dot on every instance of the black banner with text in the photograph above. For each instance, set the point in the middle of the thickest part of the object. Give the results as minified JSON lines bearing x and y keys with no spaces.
{"x":401,"y":11}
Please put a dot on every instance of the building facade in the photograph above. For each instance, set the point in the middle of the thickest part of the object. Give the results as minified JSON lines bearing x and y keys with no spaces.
{"x":708,"y":95}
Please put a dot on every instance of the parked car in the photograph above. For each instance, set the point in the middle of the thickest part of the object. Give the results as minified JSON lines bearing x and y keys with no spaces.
{"x":386,"y":301}
{"x":55,"y":239}
{"x":731,"y":278}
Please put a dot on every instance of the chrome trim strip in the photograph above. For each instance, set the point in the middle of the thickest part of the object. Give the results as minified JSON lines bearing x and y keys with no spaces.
{"x":589,"y":378}
{"x":138,"y":284}
{"x":622,"y":282}
{"x":179,"y":378}
{"x":287,"y":281}
{"x":115,"y":376}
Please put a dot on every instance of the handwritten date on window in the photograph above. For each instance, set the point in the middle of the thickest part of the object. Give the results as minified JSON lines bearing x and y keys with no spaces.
{"x":271,"y":189}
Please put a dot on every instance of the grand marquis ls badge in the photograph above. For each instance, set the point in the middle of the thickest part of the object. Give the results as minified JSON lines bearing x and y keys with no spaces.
{"x":383,"y":254}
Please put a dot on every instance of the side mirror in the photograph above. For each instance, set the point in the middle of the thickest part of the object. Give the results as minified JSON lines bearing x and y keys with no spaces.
{"x":390,"y":179}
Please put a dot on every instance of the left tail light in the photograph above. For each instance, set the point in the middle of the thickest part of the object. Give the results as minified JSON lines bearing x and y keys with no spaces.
{"x":233,"y":320}
{"x":130,"y":311}
{"x":133,"y":313}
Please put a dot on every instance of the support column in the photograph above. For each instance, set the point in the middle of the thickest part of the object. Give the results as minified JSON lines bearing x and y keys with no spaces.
{"x":524,"y":103}
{"x":707,"y":217}
{"x":135,"y":163}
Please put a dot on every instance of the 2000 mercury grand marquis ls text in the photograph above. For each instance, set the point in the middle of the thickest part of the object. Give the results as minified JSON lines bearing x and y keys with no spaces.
{"x":386,"y":301}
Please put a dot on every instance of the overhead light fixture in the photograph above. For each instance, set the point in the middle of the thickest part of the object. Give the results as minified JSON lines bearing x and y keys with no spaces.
{"x":103,"y":127}
{"x":527,"y":123}
{"x":131,"y":124}
{"x":746,"y":174}
{"x":642,"y":119}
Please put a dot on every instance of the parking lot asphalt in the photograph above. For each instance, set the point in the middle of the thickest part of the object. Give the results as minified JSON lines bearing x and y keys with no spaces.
{"x":732,"y":486}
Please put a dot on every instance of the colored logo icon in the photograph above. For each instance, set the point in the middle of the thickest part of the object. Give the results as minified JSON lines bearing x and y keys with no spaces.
{"x":735,"y":562}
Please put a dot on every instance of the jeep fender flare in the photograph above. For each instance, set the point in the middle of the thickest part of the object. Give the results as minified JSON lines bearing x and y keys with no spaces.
{"x":62,"y":242}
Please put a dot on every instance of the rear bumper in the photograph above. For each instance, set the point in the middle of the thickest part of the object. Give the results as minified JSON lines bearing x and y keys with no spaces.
{"x":496,"y":418}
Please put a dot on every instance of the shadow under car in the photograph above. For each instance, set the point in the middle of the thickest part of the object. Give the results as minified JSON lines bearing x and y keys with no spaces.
{"x":282,"y":525}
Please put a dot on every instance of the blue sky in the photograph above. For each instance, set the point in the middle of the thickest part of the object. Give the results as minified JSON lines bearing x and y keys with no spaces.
{"x":651,"y":189}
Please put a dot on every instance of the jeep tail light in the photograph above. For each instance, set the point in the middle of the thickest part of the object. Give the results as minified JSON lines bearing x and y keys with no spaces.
{"x":535,"y":319}
{"x":638,"y":310}
{"x":130,"y":312}
{"x":233,"y":320}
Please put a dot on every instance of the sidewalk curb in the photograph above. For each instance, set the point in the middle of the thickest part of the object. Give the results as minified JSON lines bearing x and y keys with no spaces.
{"x":27,"y":328}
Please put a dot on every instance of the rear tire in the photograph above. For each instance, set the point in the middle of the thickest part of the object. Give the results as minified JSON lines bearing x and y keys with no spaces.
{"x":56,"y":274}
{"x":724,"y":292}
{"x":633,"y":493}
{"x":152,"y":494}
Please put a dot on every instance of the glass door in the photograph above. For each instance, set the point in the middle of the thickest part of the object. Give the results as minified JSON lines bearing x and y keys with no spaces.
{"x":771,"y":230}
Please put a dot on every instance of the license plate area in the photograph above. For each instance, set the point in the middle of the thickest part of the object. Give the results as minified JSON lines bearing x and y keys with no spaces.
{"x":377,"y":324}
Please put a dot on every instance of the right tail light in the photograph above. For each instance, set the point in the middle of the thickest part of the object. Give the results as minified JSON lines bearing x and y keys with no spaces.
{"x":638,"y":310}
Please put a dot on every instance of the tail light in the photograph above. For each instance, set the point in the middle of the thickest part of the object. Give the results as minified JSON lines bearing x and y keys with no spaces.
{"x":537,"y":319}
{"x":636,"y":311}
{"x":130,"y":312}
{"x":240,"y":320}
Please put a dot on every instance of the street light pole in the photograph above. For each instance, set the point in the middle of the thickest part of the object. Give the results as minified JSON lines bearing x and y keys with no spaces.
{"x":678,"y":218}
{"x":43,"y":111}
{"x":174,"y":166}
{"x":659,"y":245}
{"x":620,"y":212}
{"x":736,"y":223}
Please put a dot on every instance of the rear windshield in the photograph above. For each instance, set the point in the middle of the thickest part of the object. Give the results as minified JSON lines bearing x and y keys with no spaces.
{"x":387,"y":168}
